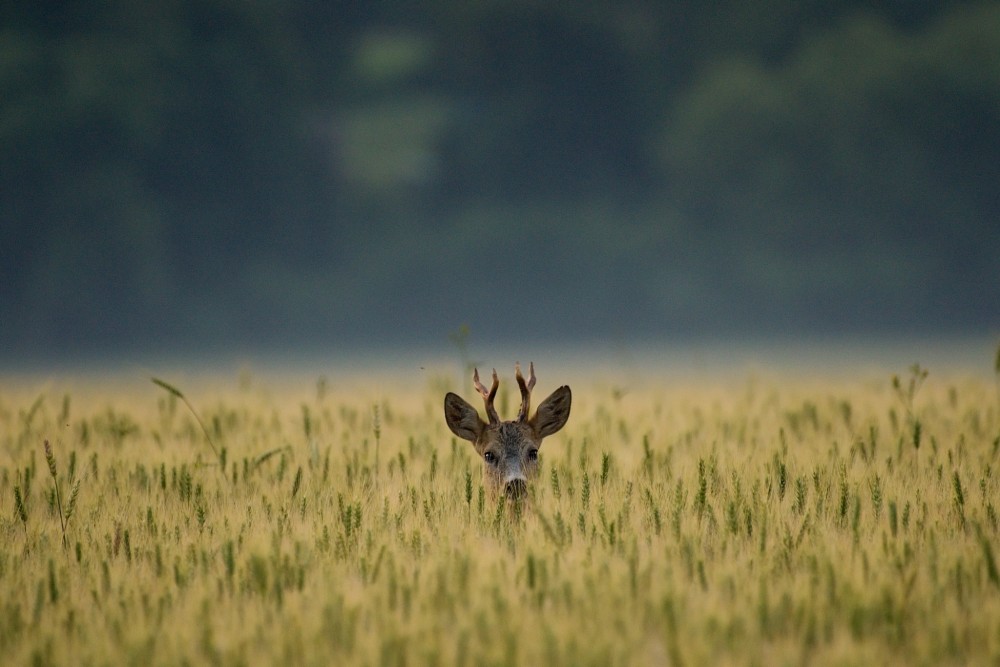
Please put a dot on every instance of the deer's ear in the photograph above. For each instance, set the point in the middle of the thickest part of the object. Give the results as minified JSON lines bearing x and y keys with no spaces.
{"x":462,"y":418}
{"x":553,"y":413}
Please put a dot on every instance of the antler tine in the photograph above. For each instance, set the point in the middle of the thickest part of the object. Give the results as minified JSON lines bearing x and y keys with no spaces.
{"x":525,"y":388}
{"x":488,"y":396}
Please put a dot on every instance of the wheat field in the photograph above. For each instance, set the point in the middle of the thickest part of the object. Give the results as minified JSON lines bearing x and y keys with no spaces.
{"x":243,"y":520}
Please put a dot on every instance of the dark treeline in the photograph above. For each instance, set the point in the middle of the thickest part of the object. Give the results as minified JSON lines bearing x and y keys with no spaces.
{"x":182,"y":173}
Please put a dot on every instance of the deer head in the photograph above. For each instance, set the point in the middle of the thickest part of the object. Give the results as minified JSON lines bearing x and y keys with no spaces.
{"x":509,"y":448}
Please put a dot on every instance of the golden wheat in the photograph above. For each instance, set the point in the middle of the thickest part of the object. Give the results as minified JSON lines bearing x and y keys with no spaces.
{"x":761,"y":521}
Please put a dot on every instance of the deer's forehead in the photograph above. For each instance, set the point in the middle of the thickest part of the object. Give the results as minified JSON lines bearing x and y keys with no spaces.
{"x":510,"y":435}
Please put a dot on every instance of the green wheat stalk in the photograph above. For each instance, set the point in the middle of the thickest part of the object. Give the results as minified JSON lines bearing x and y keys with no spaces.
{"x":22,"y":512}
{"x":991,"y":563}
{"x":51,"y":460}
{"x":177,"y":392}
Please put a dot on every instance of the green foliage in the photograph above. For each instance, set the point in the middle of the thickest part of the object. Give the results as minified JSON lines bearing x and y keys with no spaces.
{"x":825,"y":161}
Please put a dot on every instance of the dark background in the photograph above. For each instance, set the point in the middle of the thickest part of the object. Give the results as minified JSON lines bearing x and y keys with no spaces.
{"x":182,"y":176}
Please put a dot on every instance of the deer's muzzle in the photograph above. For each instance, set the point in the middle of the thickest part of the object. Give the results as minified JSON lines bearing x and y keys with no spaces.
{"x":516,"y":489}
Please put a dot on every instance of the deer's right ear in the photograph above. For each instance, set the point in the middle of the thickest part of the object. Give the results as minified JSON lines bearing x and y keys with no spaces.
{"x":462,"y":418}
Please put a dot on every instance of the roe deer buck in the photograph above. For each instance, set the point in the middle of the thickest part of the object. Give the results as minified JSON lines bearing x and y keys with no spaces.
{"x":509,"y":448}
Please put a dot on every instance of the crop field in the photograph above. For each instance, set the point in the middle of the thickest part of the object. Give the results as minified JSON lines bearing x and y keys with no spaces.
{"x":164,"y":519}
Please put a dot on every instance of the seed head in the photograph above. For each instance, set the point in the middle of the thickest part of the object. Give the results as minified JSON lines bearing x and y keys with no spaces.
{"x":51,"y":459}
{"x":22,"y":513}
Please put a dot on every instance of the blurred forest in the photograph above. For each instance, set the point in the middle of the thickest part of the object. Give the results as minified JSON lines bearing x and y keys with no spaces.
{"x":182,"y":174}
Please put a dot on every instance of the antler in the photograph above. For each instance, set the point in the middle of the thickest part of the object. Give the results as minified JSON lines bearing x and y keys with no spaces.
{"x":488,"y":396}
{"x":526,"y":388}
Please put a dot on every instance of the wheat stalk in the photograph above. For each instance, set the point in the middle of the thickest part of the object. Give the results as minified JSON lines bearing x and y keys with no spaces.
{"x":177,"y":392}
{"x":51,"y":460}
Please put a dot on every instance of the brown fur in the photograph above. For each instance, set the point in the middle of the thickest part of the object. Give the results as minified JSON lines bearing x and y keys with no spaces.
{"x":509,"y":448}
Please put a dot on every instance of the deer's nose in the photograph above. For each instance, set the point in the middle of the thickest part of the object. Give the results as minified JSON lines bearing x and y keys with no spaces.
{"x":516,"y":489}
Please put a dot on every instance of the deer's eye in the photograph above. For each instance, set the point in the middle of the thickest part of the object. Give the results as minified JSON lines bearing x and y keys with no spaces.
{"x":490,"y":457}
{"x":532,"y":454}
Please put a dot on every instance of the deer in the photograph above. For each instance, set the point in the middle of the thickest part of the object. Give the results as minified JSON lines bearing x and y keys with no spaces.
{"x":509,"y":449}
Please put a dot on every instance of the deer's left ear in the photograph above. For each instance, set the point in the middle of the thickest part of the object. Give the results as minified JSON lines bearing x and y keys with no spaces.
{"x":553,"y":413}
